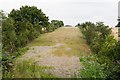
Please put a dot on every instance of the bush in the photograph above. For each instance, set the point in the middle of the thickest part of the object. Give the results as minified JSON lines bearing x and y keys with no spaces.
{"x":91,"y":68}
{"x":105,"y":46}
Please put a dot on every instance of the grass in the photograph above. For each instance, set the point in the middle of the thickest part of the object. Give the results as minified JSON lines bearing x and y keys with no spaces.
{"x":71,"y":38}
{"x":42,"y":40}
{"x":28,"y":69}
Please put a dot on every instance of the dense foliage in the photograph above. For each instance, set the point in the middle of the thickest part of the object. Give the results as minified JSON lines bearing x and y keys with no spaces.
{"x":24,"y":25}
{"x":21,"y":27}
{"x":91,"y":68}
{"x":104,"y":45}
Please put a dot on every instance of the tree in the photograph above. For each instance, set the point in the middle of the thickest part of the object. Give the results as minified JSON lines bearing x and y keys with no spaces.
{"x":78,"y":25}
{"x":22,"y":26}
{"x":8,"y":35}
{"x":57,"y":23}
{"x":31,"y":14}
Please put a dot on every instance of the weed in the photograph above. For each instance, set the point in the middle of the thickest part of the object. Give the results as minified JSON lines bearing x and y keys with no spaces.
{"x":28,"y":69}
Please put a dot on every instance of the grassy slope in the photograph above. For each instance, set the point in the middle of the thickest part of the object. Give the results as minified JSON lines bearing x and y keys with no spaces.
{"x":71,"y":37}
{"x":74,"y":45}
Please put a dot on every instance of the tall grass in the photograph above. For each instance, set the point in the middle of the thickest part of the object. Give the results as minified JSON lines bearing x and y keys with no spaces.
{"x":28,"y":69}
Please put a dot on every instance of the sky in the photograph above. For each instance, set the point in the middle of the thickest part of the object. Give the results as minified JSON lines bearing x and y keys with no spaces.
{"x":71,"y":12}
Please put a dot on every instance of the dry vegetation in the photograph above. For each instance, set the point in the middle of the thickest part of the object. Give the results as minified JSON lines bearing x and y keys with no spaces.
{"x":60,"y":50}
{"x":70,"y":37}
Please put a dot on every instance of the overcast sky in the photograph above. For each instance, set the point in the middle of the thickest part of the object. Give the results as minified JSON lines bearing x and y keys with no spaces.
{"x":71,"y":11}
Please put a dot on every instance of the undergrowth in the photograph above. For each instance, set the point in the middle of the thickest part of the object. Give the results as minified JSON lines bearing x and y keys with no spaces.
{"x":91,"y":68}
{"x":28,"y":69}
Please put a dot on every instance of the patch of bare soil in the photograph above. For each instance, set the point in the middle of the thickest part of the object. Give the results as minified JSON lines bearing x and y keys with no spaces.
{"x":62,"y":66}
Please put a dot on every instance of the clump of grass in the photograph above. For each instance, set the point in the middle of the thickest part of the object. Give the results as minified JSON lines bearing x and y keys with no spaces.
{"x":42,"y":40}
{"x":28,"y":69}
{"x":91,"y":68}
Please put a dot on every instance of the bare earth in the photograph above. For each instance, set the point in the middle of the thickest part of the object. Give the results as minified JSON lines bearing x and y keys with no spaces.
{"x":60,"y":50}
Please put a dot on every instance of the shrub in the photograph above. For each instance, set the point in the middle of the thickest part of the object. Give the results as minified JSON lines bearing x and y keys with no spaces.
{"x":105,"y":46}
{"x":91,"y":68}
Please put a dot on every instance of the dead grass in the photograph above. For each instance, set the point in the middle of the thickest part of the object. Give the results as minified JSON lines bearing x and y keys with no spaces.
{"x":42,"y":40}
{"x":70,"y":36}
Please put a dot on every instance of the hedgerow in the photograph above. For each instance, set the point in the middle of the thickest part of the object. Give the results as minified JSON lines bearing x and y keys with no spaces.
{"x":104,"y":46}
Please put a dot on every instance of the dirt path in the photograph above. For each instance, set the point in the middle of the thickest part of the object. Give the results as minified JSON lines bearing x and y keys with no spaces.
{"x":60,"y":50}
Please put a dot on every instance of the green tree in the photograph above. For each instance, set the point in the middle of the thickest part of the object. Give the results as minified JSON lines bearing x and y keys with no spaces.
{"x":8,"y":35}
{"x":28,"y":24}
{"x":57,"y":23}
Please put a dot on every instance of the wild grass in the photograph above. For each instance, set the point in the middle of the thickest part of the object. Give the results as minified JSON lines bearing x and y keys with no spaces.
{"x":72,"y":39}
{"x":42,"y":40}
{"x":28,"y":69}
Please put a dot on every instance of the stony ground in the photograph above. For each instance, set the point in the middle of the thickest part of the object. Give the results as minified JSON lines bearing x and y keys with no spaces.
{"x":60,"y":50}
